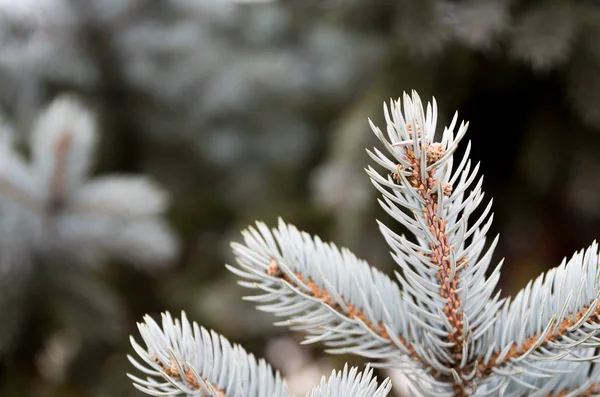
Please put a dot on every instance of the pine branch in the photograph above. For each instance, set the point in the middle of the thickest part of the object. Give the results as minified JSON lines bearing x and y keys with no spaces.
{"x":443,"y":268}
{"x":122,"y":195}
{"x":445,"y":327}
{"x":62,"y":144}
{"x":67,"y":215}
{"x":329,"y":293}
{"x":443,"y":271}
{"x":182,"y":358}
{"x":193,"y":361}
{"x":552,"y":318}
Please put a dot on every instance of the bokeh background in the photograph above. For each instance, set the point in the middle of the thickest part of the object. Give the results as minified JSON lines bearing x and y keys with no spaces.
{"x":251,"y":110}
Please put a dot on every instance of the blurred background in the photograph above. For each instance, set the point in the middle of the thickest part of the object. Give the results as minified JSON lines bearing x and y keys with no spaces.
{"x":249,"y":110}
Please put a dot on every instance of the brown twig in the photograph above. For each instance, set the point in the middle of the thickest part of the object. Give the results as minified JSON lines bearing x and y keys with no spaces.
{"x":172,"y":371}
{"x":440,"y":249}
{"x":352,"y":311}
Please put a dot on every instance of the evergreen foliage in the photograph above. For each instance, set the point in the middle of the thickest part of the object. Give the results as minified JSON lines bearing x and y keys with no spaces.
{"x":441,"y":321}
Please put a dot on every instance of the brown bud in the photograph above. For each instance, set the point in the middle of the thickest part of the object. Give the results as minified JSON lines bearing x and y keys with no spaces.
{"x":273,"y":269}
{"x":435,"y":151}
{"x":447,"y":189}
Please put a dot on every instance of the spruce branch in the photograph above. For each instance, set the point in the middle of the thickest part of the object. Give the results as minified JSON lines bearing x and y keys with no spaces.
{"x":183,"y":358}
{"x":335,"y":297}
{"x":446,"y":325}
{"x":554,"y":318}
{"x":64,"y":213}
{"x":193,"y":361}
{"x":443,"y":268}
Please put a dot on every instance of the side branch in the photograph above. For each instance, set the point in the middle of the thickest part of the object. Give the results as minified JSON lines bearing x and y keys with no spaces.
{"x":555,"y":317}
{"x":544,"y":340}
{"x":350,"y":311}
{"x":183,"y":358}
{"x":325,"y":292}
